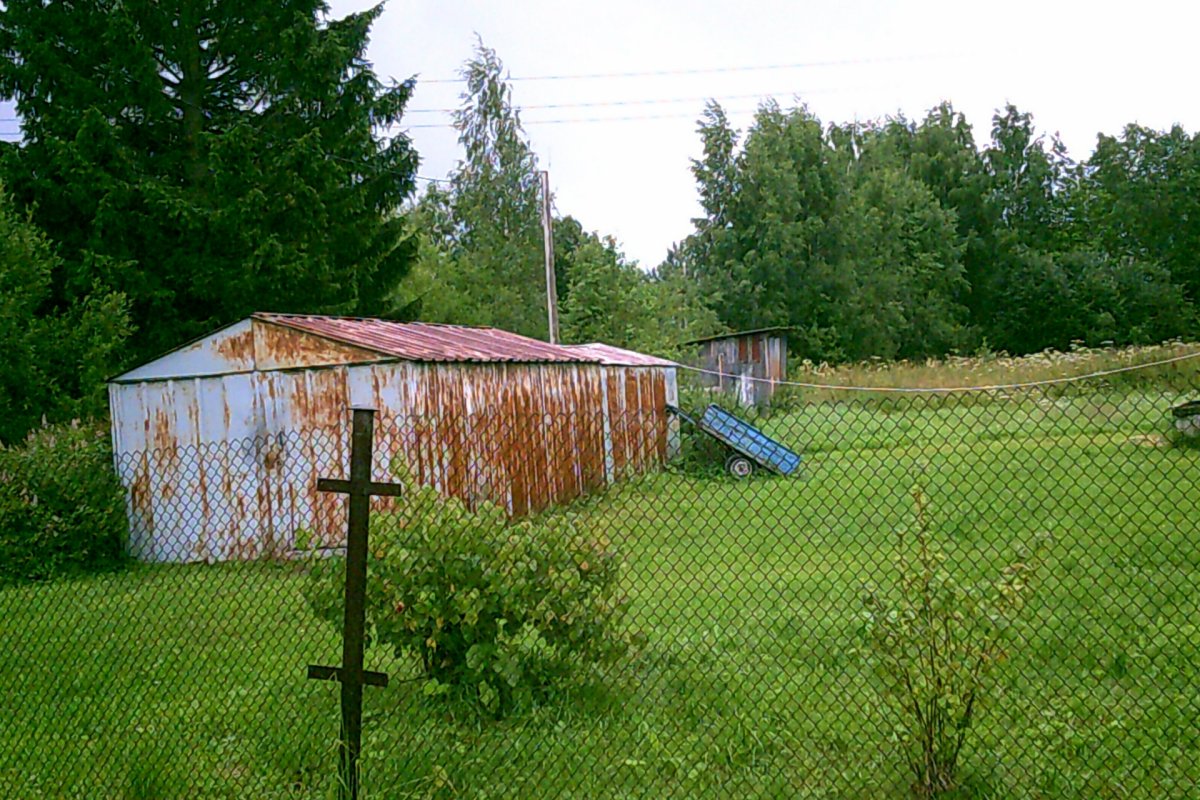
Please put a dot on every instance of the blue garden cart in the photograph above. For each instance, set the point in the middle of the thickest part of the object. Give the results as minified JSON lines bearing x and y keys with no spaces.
{"x":748,"y":447}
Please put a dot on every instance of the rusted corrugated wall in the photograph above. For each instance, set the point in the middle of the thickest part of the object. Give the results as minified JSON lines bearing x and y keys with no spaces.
{"x":751,"y":365}
{"x":225,"y":466}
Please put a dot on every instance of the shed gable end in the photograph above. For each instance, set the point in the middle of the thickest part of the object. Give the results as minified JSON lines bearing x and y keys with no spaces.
{"x":229,"y":350}
{"x":282,"y":347}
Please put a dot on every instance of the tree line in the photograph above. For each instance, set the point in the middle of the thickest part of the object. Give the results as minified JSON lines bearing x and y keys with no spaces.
{"x":903,"y":239}
{"x":183,"y":166}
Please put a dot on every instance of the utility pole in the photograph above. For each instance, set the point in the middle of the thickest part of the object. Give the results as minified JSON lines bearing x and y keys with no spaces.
{"x":548,"y":240}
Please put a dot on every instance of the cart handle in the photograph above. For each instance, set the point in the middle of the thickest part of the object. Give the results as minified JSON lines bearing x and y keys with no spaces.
{"x":679,"y":412}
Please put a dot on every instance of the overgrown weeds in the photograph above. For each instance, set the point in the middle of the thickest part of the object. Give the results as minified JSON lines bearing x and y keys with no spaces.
{"x":936,"y":646}
{"x":990,"y":369}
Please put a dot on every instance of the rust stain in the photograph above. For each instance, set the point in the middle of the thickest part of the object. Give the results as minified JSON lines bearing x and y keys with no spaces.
{"x":280,"y":347}
{"x":193,"y":412}
{"x":321,"y":399}
{"x":271,"y":457}
{"x":559,"y":429}
{"x":139,"y":492}
{"x":262,"y":503}
{"x":660,"y":416}
{"x":298,"y":396}
{"x":163,"y":436}
{"x":593,"y":466}
{"x":238,"y":349}
{"x":633,"y":424}
{"x":529,"y":447}
{"x":245,"y":549}
{"x":205,"y":506}
{"x":573,"y":445}
{"x":618,"y":420}
{"x":269,"y":505}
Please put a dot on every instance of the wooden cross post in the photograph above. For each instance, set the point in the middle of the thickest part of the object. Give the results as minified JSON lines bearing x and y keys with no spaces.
{"x":351,"y":673}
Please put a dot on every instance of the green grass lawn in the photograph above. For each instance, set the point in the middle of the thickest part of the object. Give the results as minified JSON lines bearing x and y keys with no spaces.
{"x":176,"y":682}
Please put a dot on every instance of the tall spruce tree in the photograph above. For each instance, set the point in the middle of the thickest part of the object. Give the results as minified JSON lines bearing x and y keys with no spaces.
{"x":208,"y":158}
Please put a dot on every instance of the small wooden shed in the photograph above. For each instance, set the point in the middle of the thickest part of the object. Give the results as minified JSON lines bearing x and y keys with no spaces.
{"x":747,"y":365}
{"x":220,"y":442}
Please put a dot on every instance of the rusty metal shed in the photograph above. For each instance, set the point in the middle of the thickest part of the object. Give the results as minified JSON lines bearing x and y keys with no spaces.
{"x":748,"y":364}
{"x":220,"y":442}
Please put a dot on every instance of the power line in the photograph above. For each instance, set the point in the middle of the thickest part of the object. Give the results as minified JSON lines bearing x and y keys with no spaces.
{"x":706,"y":70}
{"x":388,"y":171}
{"x":620,"y":103}
{"x":651,"y":101}
{"x":563,"y":121}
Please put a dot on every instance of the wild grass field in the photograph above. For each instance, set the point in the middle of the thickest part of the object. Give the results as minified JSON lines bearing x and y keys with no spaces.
{"x":1172,"y":359}
{"x":189,"y":681}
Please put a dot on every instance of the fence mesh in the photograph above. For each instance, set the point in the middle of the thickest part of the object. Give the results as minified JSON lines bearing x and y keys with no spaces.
{"x":1023,"y":560}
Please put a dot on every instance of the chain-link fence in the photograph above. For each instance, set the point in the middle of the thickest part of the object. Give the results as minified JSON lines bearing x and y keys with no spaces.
{"x":987,"y":594}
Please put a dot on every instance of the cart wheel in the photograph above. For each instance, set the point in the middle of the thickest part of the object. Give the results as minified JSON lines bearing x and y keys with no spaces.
{"x":739,"y":466}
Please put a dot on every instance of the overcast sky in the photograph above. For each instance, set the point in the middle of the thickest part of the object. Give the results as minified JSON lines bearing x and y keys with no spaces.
{"x":1079,"y":67}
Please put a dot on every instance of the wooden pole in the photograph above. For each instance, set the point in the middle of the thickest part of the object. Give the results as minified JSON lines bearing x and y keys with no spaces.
{"x":351,"y":674}
{"x":356,"y":582}
{"x":548,"y":241}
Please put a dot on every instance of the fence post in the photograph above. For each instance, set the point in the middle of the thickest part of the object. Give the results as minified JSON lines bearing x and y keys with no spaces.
{"x":360,"y":488}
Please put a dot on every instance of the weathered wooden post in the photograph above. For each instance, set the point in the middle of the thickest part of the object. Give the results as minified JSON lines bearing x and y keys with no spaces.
{"x":351,"y":674}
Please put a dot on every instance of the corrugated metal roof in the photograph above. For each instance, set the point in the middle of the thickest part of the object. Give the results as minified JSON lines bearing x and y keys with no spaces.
{"x":618,"y":356}
{"x":423,"y":341}
{"x":736,"y":334}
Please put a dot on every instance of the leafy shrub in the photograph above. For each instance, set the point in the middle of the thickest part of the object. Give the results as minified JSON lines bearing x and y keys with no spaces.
{"x":699,"y":454}
{"x":61,"y":507}
{"x":501,"y":613}
{"x":55,"y":358}
{"x":936,"y":647}
{"x":1184,"y":427}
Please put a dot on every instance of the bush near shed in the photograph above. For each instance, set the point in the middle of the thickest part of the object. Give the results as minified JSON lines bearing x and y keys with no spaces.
{"x":503,"y":614}
{"x":61,"y":507}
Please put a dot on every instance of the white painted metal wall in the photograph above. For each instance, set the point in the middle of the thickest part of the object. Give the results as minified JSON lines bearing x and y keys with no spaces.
{"x":224,"y":466}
